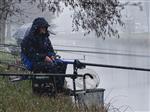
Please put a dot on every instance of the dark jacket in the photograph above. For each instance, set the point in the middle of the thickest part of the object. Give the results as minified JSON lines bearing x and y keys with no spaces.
{"x":35,"y":47}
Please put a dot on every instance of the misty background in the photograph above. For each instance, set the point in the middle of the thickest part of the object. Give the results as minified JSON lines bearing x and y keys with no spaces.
{"x":124,"y":88}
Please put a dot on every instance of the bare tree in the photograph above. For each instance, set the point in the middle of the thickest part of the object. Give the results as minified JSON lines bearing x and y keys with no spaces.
{"x":7,"y":8}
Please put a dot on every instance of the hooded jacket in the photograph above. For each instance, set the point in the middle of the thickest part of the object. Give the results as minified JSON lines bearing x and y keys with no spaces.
{"x":35,"y":46}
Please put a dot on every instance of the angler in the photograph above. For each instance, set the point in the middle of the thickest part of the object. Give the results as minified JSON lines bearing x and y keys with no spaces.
{"x":37,"y":53}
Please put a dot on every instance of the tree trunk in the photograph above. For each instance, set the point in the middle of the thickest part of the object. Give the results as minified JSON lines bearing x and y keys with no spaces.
{"x":2,"y":31}
{"x":2,"y":22}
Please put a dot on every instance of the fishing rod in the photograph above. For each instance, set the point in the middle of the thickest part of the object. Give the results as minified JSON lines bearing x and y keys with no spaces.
{"x":102,"y":52}
{"x":107,"y":66}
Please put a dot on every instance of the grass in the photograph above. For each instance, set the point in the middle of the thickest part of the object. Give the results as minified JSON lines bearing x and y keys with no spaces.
{"x":4,"y":56}
{"x":18,"y":97}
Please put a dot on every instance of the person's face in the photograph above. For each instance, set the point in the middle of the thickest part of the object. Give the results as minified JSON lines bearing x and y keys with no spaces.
{"x":42,"y":30}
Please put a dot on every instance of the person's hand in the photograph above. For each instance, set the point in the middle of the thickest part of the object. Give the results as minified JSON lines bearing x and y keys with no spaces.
{"x":52,"y":58}
{"x":48,"y":59}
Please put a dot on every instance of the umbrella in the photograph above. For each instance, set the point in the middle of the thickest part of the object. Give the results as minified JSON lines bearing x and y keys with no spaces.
{"x":24,"y":30}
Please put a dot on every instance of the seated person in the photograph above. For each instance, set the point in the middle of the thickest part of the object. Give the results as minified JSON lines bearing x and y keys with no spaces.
{"x":37,"y":53}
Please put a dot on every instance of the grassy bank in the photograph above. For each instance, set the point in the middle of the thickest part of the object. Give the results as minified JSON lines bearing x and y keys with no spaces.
{"x":18,"y":97}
